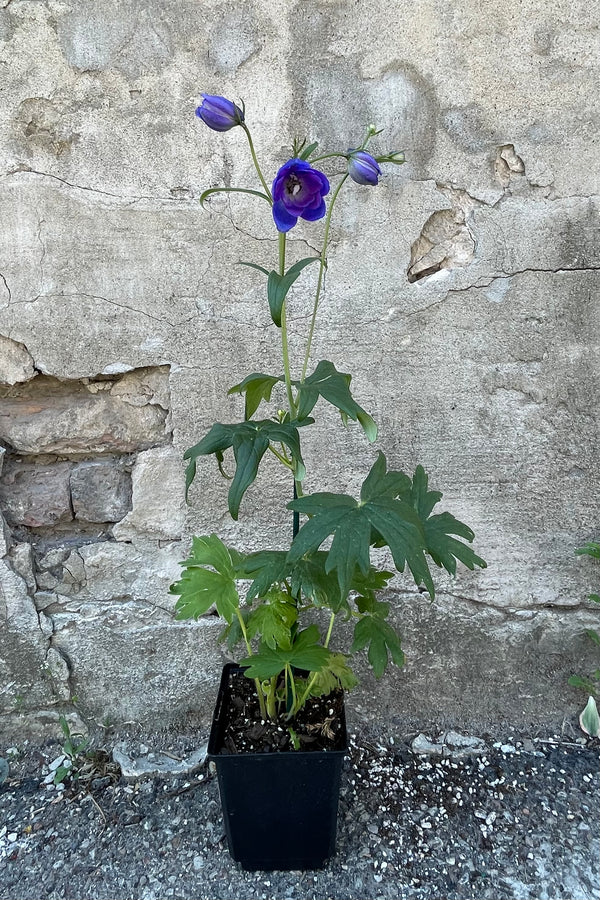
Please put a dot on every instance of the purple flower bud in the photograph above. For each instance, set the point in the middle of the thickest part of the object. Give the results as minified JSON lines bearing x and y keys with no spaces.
{"x":298,"y":192}
{"x":219,"y":114}
{"x":362,"y":167}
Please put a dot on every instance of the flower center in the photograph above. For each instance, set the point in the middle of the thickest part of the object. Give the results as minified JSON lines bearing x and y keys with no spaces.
{"x":293,"y":185}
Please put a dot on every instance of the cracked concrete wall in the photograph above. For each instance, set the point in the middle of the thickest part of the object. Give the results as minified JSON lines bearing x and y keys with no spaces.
{"x":461,"y":293}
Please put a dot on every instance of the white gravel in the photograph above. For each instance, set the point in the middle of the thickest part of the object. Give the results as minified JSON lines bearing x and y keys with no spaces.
{"x":511,"y":820}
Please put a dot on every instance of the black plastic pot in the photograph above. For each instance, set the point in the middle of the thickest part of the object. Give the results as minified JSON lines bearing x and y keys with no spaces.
{"x":280,"y":809}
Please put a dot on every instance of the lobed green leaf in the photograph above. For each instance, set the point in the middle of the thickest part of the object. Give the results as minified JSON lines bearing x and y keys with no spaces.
{"x":333,"y":386}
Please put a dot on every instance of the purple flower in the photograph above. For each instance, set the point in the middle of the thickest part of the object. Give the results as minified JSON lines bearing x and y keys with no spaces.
{"x":219,"y":114}
{"x":362,"y":167}
{"x":298,"y":192}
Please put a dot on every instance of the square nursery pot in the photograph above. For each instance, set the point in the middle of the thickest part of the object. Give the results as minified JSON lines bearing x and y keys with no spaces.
{"x":280,"y":808}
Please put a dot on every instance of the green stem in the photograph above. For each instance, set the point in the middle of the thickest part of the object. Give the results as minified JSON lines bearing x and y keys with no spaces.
{"x":271,"y":705}
{"x":284,"y":335}
{"x":281,"y":458}
{"x":327,"y":156}
{"x":261,"y":699}
{"x":290,"y":676}
{"x":309,"y":687}
{"x":320,"y":278}
{"x":255,"y":161}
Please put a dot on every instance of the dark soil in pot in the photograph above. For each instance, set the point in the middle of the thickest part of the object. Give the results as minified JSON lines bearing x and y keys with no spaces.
{"x":318,"y":726}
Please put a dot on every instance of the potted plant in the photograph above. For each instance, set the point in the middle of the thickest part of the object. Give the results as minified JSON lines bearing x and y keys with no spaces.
{"x":278,"y":734}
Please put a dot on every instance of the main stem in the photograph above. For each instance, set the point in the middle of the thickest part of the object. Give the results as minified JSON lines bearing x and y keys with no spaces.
{"x":322,"y":267}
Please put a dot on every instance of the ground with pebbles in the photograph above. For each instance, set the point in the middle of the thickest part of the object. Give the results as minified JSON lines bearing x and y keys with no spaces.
{"x":490,"y":819}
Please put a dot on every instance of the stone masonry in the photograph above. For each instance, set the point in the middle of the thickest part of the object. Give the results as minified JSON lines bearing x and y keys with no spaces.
{"x":461,"y":293}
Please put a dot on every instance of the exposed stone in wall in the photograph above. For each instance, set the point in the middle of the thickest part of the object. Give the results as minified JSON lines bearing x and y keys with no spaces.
{"x":97,"y":415}
{"x":35,"y":495}
{"x":65,"y":484}
{"x":100,"y":491}
{"x":158,"y":507}
{"x":447,"y":240}
{"x":16,"y":363}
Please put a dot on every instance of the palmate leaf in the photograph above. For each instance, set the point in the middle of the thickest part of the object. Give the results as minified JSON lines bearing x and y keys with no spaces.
{"x":441,"y":531}
{"x":305,"y":653}
{"x":352,"y":525}
{"x":257,"y":387}
{"x":381,"y":639}
{"x":333,"y":386}
{"x":309,"y":578}
{"x":337,"y":674}
{"x":201,"y":588}
{"x":250,"y":441}
{"x":266,"y":568}
{"x":273,"y":620}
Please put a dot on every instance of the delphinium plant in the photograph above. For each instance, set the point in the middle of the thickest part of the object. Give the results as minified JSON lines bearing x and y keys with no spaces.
{"x":289,"y":656}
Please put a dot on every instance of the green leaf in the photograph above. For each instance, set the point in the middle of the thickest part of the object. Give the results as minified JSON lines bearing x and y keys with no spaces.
{"x":273,"y":620}
{"x":252,"y":265}
{"x":367,"y":584}
{"x":279,"y":285}
{"x":61,"y":773}
{"x":351,"y":524}
{"x":336,"y":675}
{"x":589,"y":719}
{"x":211,"y":551}
{"x":201,"y":588}
{"x":402,"y":531}
{"x":584,"y":683}
{"x":267,"y":568}
{"x":308,"y":151}
{"x":310,"y":579}
{"x":444,"y":549}
{"x":378,"y":608}
{"x":249,"y":441}
{"x":333,"y":386}
{"x":381,"y":483}
{"x":595,"y":598}
{"x":305,"y":653}
{"x":64,"y":727}
{"x":592,"y":548}
{"x":593,"y":636}
{"x":423,"y":499}
{"x":257,"y":387}
{"x":382,"y":640}
{"x":231,"y":190}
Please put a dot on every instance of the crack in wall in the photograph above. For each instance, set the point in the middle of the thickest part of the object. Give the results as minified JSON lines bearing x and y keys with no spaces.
{"x":8,"y":290}
{"x":123,"y":198}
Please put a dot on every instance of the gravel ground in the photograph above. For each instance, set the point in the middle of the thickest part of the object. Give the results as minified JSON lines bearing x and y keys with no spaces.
{"x":514,"y":819}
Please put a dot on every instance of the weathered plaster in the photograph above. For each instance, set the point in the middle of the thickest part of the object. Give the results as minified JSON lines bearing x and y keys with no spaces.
{"x":461,"y":294}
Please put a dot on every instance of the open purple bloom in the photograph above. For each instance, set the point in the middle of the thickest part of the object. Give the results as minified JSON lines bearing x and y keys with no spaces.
{"x":219,"y":114}
{"x":298,"y":192}
{"x":363,"y":168}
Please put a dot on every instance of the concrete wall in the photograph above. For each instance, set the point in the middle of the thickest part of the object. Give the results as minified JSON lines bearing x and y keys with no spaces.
{"x":461,"y":294}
